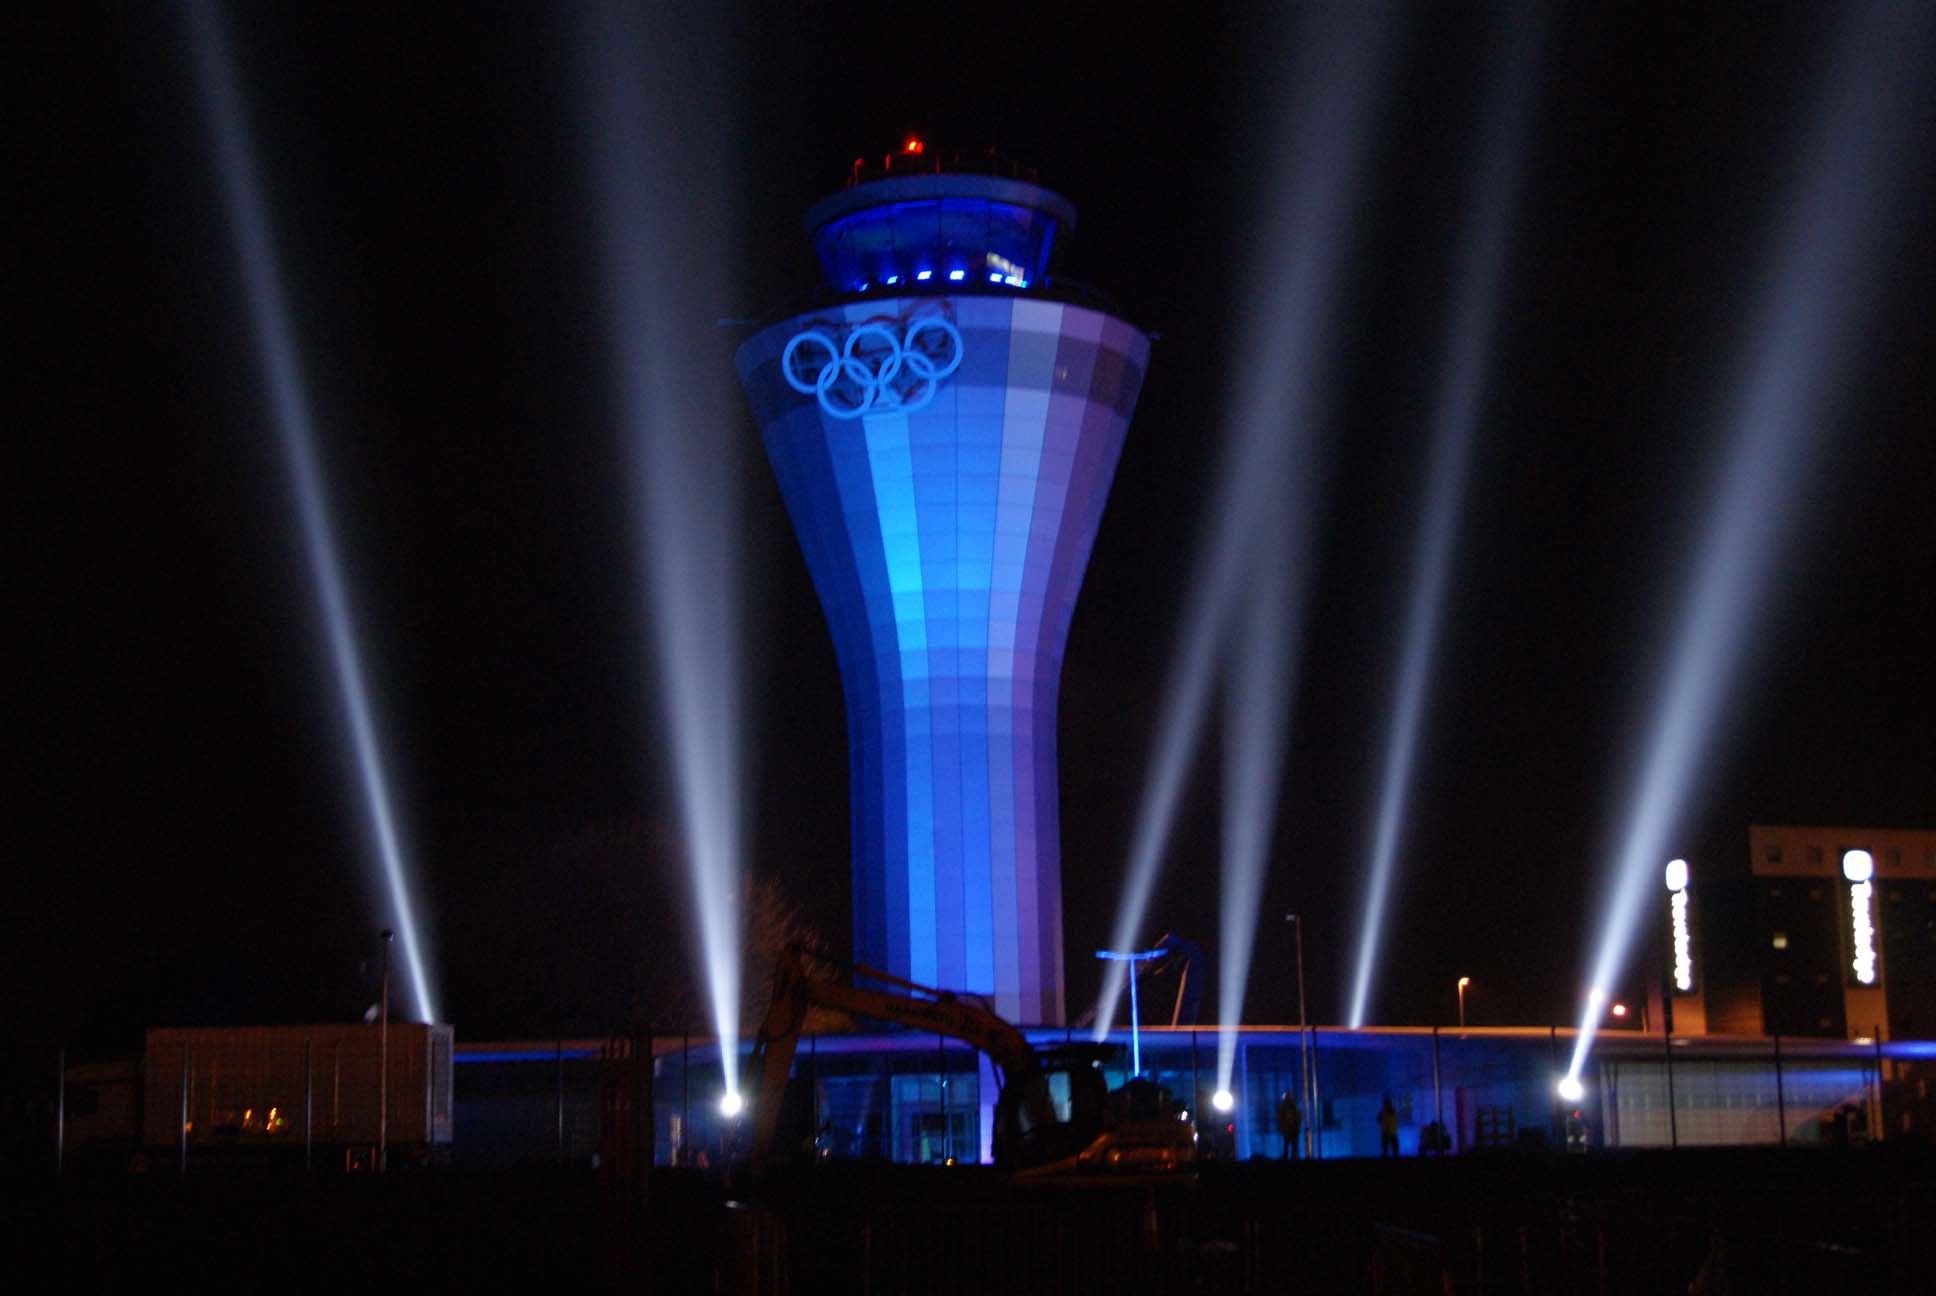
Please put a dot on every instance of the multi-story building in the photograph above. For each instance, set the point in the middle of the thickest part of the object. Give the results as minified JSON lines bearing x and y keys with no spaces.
{"x":1826,"y":932}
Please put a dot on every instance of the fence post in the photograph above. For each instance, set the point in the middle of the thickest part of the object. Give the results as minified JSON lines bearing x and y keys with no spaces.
{"x":1781,"y":1101}
{"x":1552,"y":1089}
{"x":60,"y":1109}
{"x":643,"y":1131}
{"x":1875,"y":1128}
{"x":181,"y":1124}
{"x":1438,"y":1100}
{"x":309,"y":1101}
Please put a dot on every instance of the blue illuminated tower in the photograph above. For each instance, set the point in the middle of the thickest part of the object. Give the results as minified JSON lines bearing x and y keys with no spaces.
{"x":944,"y":429}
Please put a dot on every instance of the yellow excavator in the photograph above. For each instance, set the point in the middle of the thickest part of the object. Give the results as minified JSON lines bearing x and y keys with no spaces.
{"x":1054,"y":1116}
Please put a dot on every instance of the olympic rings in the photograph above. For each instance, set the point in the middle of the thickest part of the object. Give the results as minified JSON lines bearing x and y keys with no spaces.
{"x":874,"y":370}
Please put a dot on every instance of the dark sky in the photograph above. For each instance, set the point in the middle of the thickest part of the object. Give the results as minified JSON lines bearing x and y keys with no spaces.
{"x":185,"y":844}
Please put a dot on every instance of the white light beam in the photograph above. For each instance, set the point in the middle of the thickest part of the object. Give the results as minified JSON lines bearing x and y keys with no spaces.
{"x":276,"y":352}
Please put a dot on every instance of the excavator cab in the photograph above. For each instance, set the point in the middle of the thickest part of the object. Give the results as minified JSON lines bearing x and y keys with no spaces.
{"x":1051,"y":1112}
{"x":1138,"y":1128}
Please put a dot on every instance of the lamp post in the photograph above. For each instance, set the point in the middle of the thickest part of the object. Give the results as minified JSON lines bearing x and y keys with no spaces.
{"x":1135,"y":1037}
{"x":1308,"y":1077}
{"x":1463,"y":983}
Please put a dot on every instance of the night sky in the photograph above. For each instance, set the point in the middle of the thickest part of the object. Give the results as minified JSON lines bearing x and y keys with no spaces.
{"x":184,"y":842}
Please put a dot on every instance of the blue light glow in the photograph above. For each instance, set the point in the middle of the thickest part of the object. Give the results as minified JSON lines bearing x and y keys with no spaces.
{"x":1825,"y":264}
{"x":1468,"y":344}
{"x":1013,"y":237}
{"x":957,"y":275}
{"x":276,"y":351}
{"x":664,"y":221}
{"x":924,"y":275}
{"x":994,"y":276}
{"x":892,"y":280}
{"x":876,"y":368}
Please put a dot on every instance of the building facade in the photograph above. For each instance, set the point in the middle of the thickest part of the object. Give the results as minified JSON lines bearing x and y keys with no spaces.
{"x":1824,"y":932}
{"x":944,"y":430}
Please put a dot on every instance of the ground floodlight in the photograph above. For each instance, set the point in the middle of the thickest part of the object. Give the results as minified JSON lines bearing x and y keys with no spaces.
{"x":1571,"y":1089}
{"x":731,"y":1104}
{"x":1858,"y":865}
{"x":1677,"y":875}
{"x":1222,"y":1100}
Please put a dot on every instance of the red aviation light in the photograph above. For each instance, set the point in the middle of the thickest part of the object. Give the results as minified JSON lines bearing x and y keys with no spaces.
{"x":913,"y":145}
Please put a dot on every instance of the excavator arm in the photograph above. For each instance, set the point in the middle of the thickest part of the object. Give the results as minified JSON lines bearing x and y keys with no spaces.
{"x":924,"y":1008}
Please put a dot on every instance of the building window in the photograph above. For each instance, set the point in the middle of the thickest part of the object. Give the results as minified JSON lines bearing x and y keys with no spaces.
{"x":1893,"y":856}
{"x":1814,"y":893}
{"x":1774,"y":854}
{"x":1815,"y":856}
{"x":1780,"y":941}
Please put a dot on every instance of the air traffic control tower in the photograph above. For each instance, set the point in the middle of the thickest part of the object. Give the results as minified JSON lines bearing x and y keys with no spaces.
{"x":944,"y":428}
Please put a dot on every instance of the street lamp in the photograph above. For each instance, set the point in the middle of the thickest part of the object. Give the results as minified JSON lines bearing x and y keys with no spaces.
{"x":1304,"y":1041}
{"x":1463,"y":983}
{"x":1135,"y":1037}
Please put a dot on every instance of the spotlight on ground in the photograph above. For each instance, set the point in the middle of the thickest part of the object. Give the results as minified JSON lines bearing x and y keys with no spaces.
{"x":1222,"y":1100}
{"x":1571,"y":1089}
{"x":248,"y":218}
{"x":659,"y":145}
{"x":731,"y":1104}
{"x":1848,"y":197}
{"x":1467,"y":356}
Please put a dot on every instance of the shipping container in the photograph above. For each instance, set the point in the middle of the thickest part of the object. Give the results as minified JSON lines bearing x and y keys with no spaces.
{"x":272,"y":1089}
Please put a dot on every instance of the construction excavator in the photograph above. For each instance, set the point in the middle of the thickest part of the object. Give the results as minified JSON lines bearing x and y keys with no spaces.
{"x":1054,"y":1116}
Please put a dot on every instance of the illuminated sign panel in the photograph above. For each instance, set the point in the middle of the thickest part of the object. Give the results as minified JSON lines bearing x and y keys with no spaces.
{"x":1677,"y":879}
{"x":1859,"y":868}
{"x":1683,"y":946}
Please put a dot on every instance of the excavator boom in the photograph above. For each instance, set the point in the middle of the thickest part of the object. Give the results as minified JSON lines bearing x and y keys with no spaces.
{"x":1037,"y":1134}
{"x":938,"y":1012}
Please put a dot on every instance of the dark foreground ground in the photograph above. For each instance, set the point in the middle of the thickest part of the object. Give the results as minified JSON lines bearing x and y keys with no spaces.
{"x":1737,"y":1221}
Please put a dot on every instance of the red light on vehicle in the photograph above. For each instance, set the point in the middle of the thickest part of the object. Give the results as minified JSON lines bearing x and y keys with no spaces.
{"x":913,"y":145}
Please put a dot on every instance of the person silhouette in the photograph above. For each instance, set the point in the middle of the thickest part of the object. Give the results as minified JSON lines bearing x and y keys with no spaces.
{"x":1290,"y":1122}
{"x":1388,"y":1129}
